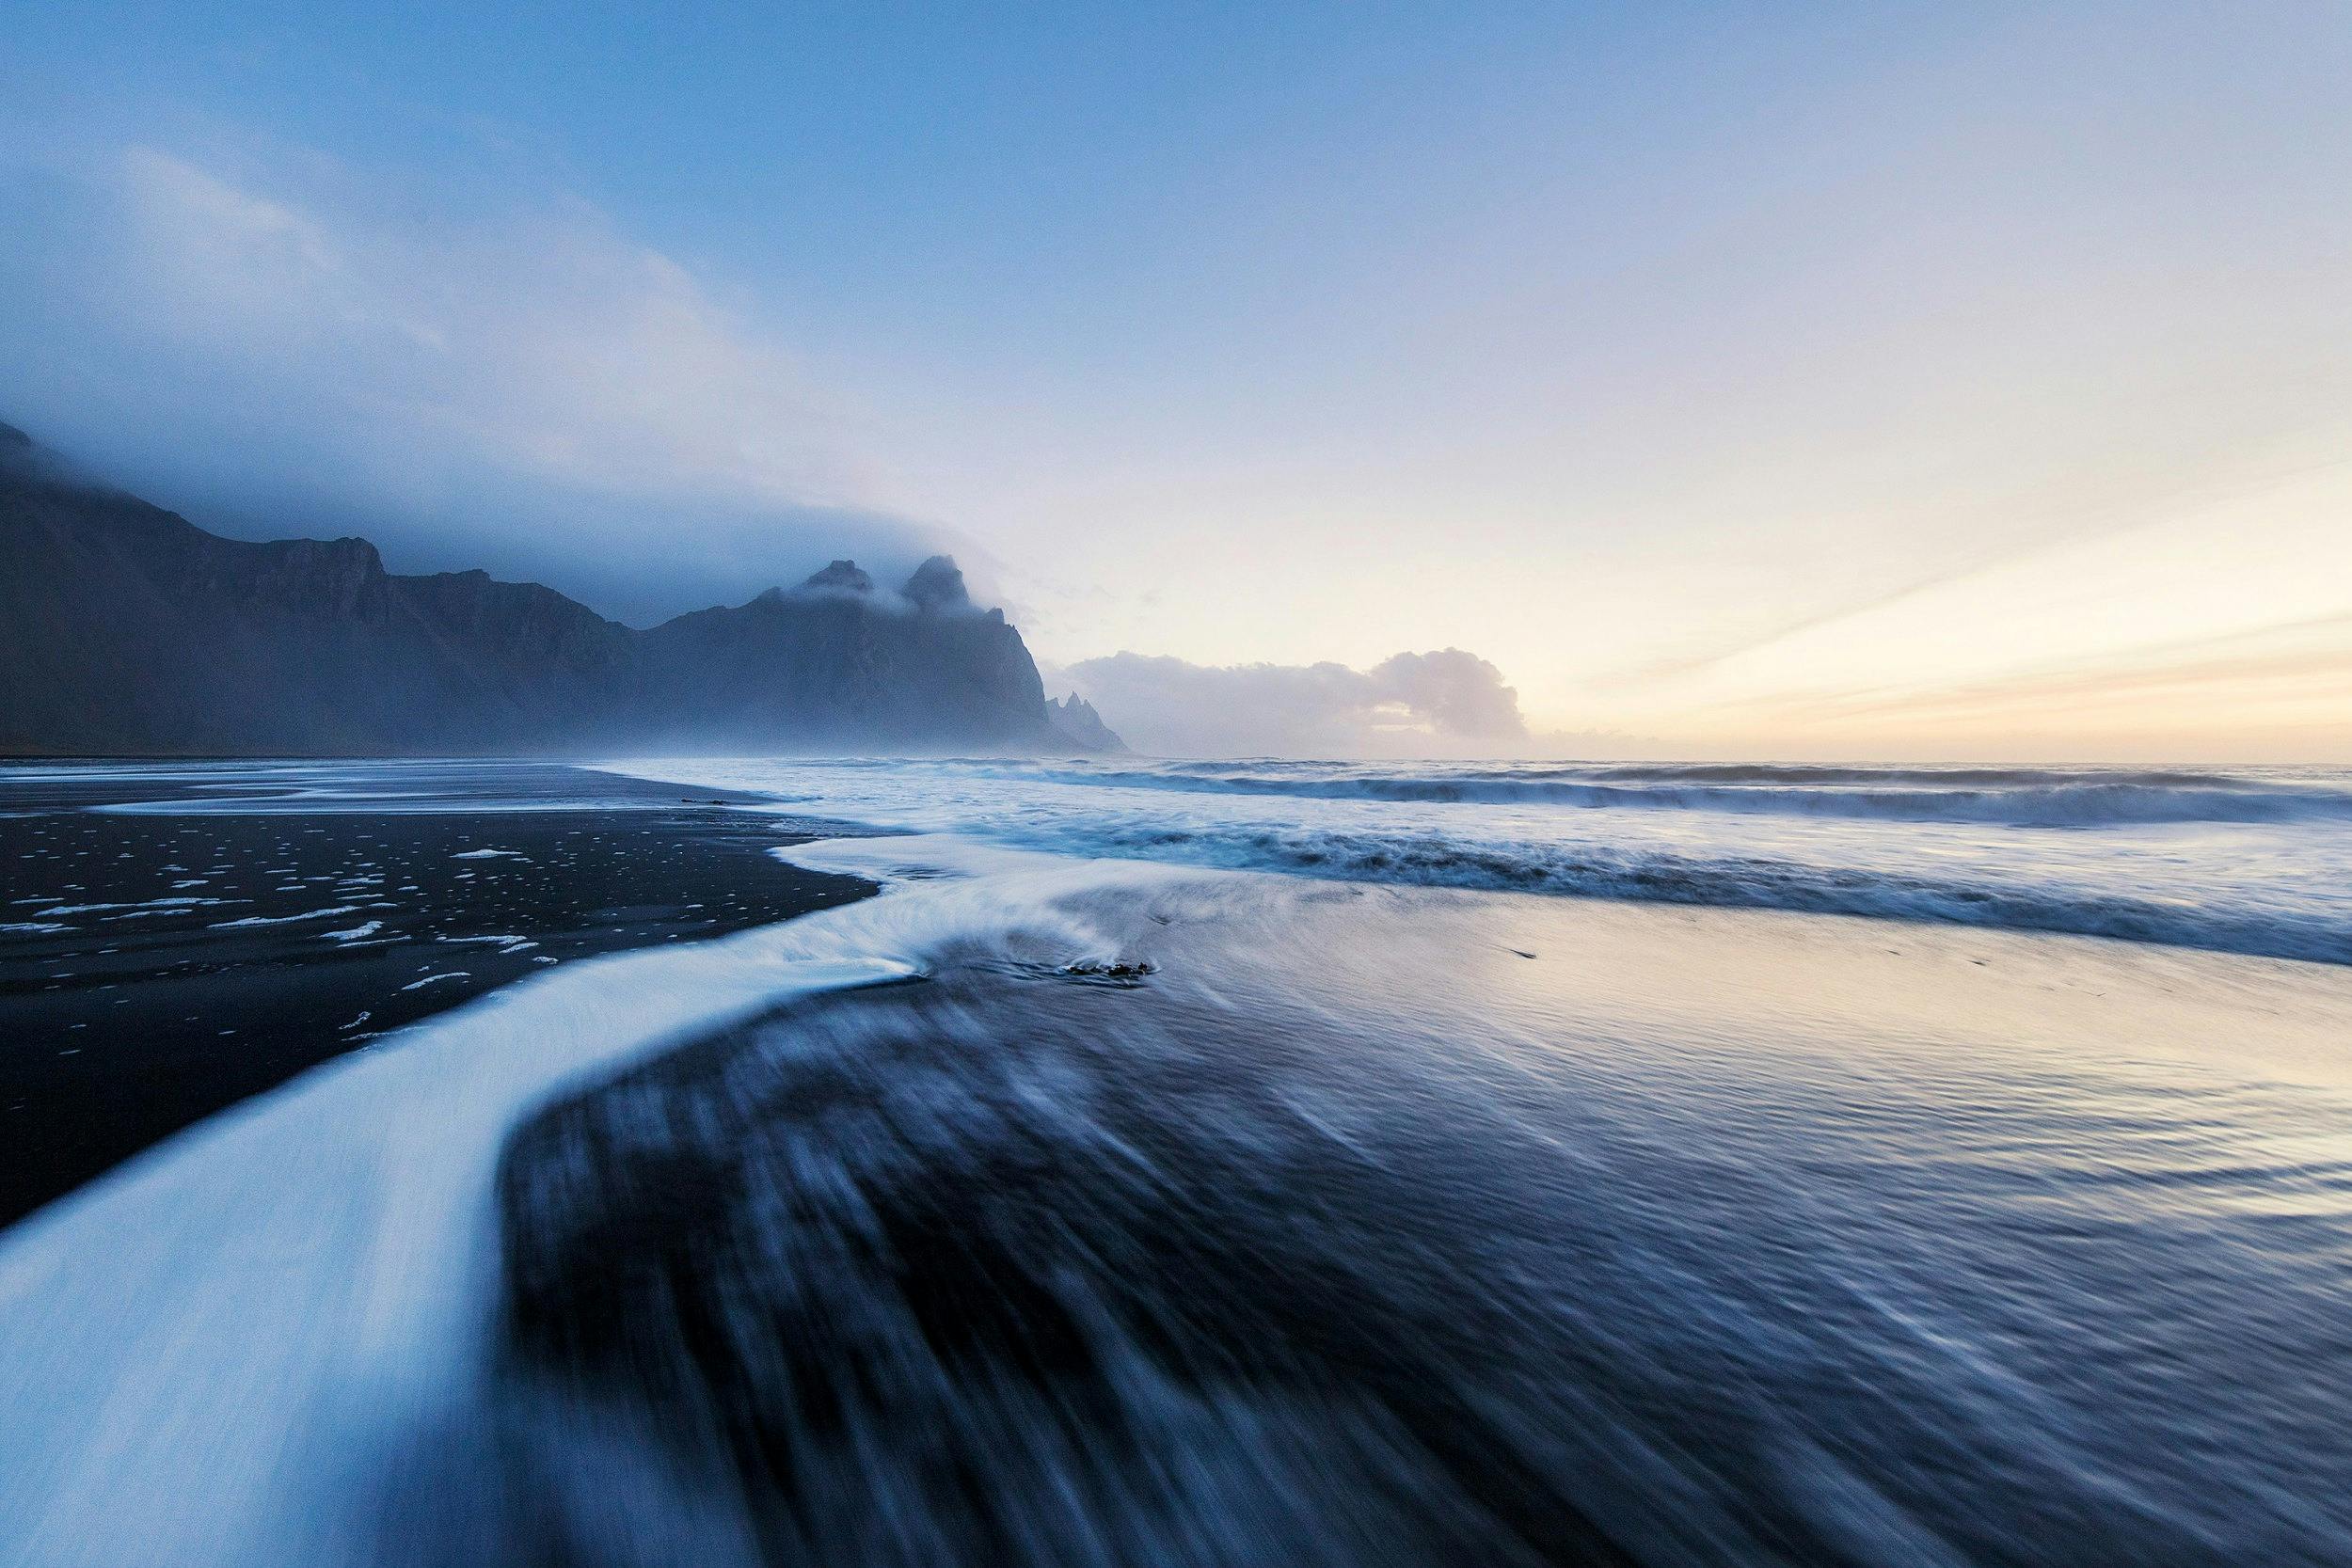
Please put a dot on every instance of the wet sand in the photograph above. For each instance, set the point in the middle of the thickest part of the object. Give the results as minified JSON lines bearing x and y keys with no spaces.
{"x":1290,"y":1221}
{"x":1130,"y":1214}
{"x":161,"y":963}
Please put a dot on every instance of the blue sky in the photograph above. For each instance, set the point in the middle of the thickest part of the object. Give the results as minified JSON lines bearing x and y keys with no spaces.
{"x":1882,"y":379}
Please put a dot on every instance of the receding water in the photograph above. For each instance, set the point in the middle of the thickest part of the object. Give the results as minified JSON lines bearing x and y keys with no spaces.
{"x":1056,"y":1209}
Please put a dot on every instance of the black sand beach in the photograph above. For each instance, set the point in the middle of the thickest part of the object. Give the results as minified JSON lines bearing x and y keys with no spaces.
{"x":242,"y":925}
{"x":1078,"y":1210}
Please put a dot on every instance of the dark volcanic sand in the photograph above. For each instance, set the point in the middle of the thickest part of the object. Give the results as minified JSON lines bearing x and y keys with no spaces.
{"x":157,"y":966}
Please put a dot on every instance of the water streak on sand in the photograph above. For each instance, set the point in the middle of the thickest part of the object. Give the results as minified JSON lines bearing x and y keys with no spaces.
{"x":1949,"y":1255}
{"x":1186,"y":1217}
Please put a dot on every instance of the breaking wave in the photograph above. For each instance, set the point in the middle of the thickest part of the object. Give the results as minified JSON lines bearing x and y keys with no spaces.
{"x":2021,"y":797}
{"x":2261,"y":928}
{"x":2251,"y":863}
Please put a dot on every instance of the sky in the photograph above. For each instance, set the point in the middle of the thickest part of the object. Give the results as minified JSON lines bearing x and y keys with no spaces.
{"x":1839,"y":381}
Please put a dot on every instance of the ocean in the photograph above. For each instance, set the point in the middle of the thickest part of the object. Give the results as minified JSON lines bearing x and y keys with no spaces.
{"x":1251,"y":1161}
{"x":2253,"y":861}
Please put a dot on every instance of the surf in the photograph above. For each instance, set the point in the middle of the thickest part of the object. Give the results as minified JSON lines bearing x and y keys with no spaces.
{"x":2233,"y":864}
{"x":1060,"y":1210}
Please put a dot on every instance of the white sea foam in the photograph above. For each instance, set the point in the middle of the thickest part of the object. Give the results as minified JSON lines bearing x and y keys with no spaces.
{"x":2249,"y":862}
{"x":328,"y":913}
{"x":149,"y":906}
{"x":196,"y":1350}
{"x":2036,"y":797}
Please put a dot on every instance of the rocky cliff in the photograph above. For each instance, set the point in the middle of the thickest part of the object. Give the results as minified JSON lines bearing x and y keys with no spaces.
{"x":1074,"y":720}
{"x":127,"y":629}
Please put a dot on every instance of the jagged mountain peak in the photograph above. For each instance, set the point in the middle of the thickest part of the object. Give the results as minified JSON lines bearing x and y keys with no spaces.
{"x":1074,"y":720}
{"x":938,"y":584}
{"x":840,"y":577}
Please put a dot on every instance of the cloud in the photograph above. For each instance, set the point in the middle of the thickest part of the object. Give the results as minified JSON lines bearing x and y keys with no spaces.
{"x":2053,"y":534}
{"x":2268,"y":680}
{"x":1446,"y":703}
{"x":278,"y":348}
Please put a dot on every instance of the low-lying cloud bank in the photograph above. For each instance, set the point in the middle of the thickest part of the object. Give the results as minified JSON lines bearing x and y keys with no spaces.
{"x":1448,"y":703}
{"x":275,"y":347}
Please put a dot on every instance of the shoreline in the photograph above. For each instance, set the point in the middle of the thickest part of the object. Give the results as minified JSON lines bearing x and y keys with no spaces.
{"x":1635,"y":1099}
{"x":161,"y":963}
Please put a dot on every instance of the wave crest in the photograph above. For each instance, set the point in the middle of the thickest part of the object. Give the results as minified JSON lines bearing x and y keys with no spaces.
{"x":2024,"y":797}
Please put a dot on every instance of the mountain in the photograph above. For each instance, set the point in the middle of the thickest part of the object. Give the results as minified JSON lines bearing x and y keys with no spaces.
{"x":1074,"y":720}
{"x":126,"y":630}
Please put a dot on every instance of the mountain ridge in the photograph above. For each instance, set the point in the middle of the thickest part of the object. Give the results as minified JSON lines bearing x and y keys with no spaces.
{"x":126,"y":630}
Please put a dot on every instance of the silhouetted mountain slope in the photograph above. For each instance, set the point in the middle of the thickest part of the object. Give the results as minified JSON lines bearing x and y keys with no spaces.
{"x":125,"y":629}
{"x":1074,"y":720}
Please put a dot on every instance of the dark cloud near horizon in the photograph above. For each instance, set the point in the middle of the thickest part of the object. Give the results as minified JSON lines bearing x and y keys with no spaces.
{"x":536,"y":397}
{"x":1445,"y":701}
